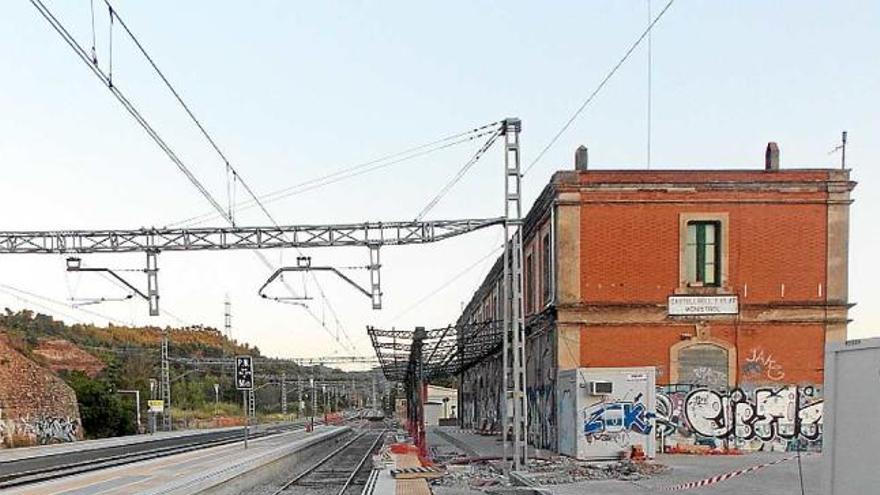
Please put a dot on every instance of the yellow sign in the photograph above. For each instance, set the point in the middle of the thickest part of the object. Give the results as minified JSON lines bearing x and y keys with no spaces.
{"x":156,"y":406}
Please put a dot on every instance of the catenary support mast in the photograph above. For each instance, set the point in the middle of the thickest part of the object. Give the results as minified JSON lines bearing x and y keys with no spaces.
{"x":513,"y":381}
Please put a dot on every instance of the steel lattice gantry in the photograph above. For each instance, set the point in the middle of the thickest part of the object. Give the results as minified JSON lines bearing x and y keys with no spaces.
{"x":152,"y":241}
{"x":221,"y":238}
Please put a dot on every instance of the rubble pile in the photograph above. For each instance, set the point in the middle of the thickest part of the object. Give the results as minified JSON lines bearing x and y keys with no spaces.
{"x":550,"y":471}
{"x":473,"y":476}
{"x":560,"y":470}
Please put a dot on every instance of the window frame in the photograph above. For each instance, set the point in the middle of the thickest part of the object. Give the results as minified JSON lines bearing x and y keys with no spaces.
{"x":530,"y":283}
{"x":546,"y":269}
{"x":720,"y":286}
{"x":699,"y":262}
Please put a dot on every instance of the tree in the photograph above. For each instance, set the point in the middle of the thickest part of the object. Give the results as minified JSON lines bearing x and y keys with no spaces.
{"x":102,"y":411}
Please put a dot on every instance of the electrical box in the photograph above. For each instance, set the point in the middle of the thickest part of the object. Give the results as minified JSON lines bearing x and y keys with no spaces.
{"x":601,"y":388}
{"x":604,"y":412}
{"x":852,"y":403}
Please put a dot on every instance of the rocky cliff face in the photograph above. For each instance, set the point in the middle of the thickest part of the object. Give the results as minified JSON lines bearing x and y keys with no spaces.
{"x":36,"y":406}
{"x":63,"y":355}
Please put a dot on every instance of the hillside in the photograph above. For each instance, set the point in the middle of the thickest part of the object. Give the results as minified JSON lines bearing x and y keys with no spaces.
{"x":96,"y":362}
{"x":26,"y":329}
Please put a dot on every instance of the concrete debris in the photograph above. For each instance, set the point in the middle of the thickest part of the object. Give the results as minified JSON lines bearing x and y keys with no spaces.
{"x":473,"y":476}
{"x":566,"y":470}
{"x":554,"y":471}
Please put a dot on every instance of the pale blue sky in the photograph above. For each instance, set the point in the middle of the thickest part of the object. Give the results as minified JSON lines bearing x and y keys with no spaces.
{"x":293,"y":90}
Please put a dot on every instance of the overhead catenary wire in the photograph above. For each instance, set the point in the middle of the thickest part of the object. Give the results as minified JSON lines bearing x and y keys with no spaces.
{"x":352,"y":171}
{"x":598,"y":88}
{"x":11,"y":290}
{"x":461,"y":172}
{"x":448,"y":282}
{"x":236,"y":177}
{"x":133,"y":111}
{"x":129,"y":107}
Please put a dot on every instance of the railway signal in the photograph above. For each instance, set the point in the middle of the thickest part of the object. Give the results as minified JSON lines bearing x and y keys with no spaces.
{"x":244,"y":381}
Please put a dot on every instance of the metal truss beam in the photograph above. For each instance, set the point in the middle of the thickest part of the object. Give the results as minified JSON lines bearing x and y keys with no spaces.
{"x":444,"y":351}
{"x":152,"y":240}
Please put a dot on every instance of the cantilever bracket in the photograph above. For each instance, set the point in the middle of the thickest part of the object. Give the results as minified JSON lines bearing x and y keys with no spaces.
{"x":74,"y":264}
{"x":304,"y":267}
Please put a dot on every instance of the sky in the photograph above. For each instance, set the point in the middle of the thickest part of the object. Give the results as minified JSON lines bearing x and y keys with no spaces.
{"x":296,"y":90}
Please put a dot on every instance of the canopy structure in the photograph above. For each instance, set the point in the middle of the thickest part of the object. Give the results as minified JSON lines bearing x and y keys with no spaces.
{"x":434,"y":353}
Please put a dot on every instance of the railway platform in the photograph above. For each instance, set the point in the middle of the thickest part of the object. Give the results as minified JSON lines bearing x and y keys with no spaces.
{"x":15,"y":454}
{"x":220,"y":469}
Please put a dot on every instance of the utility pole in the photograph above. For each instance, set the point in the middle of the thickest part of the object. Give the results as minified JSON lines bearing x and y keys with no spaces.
{"x":227,"y":318}
{"x":299,"y":391}
{"x":284,"y":393}
{"x":166,"y":384}
{"x":314,"y":402}
{"x":513,"y":351}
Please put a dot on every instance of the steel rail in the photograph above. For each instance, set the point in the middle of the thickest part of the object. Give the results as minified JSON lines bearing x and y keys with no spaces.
{"x":327,"y":458}
{"x":360,"y":464}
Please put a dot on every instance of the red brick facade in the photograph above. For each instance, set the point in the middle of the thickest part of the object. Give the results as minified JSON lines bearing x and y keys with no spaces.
{"x":605,"y":250}
{"x":777,"y":259}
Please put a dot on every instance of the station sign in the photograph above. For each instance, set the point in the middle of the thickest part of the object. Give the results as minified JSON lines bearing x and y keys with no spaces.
{"x":703,"y":305}
{"x":244,"y":372}
{"x":155,"y":406}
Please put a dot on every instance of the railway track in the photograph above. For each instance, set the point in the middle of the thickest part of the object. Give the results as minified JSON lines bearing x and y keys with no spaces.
{"x":36,"y":469}
{"x":341,"y":472}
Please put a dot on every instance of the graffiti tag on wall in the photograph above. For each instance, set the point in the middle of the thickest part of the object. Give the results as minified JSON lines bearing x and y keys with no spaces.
{"x":761,"y":363}
{"x":52,"y":429}
{"x":769,"y":414}
{"x":42,"y":430}
{"x":616,"y":417}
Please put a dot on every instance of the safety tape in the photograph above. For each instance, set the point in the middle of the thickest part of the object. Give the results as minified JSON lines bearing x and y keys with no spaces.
{"x":726,"y":476}
{"x":395,"y":472}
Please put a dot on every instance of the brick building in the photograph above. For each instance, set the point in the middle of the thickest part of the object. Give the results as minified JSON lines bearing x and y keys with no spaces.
{"x":720,"y":279}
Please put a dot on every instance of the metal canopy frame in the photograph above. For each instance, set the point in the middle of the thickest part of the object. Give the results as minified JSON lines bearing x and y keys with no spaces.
{"x":445,"y":351}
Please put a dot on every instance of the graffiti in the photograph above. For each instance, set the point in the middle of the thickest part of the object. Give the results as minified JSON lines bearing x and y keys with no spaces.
{"x":785,"y":413}
{"x":49,"y":430}
{"x":41,"y":431}
{"x":705,"y":375}
{"x":542,"y":415}
{"x":761,"y":363}
{"x":620,"y":438}
{"x":614,"y":417}
{"x":670,"y":415}
{"x":541,"y":393}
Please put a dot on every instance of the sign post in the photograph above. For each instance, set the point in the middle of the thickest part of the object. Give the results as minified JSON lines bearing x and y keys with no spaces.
{"x":244,"y":381}
{"x":154,"y":407}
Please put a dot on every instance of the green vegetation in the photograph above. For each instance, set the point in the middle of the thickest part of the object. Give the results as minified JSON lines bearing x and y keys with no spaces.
{"x":101,"y":410}
{"x":131,"y":357}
